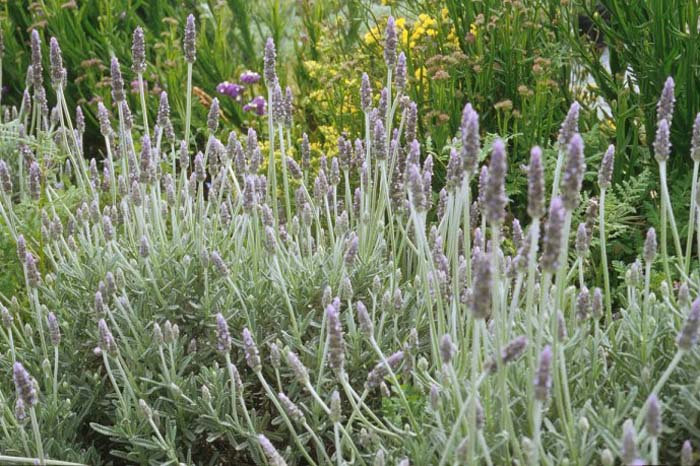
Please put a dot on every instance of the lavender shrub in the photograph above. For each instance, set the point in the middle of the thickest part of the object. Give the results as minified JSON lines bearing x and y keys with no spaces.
{"x":171,"y":280}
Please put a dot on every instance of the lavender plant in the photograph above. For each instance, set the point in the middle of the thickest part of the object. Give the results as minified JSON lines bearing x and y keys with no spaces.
{"x":200,"y":312}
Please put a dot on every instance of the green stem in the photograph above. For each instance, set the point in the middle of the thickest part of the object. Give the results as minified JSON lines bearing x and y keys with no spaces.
{"x":188,"y":106}
{"x":666,"y":199}
{"x":691,"y":221}
{"x":604,"y":259}
{"x":37,"y":436}
{"x":144,"y":109}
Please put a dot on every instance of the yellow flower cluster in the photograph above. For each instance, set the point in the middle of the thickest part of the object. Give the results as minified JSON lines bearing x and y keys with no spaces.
{"x":425,"y":26}
{"x":410,"y":35}
{"x":330,"y":75}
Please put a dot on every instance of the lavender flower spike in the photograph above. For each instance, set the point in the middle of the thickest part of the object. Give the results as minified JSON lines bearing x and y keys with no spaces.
{"x":54,"y":329}
{"x":573,"y":174}
{"x":106,"y":340}
{"x":5,"y":179}
{"x":223,"y":337}
{"x":138,"y":51}
{"x":273,"y":457}
{"x":662,"y":142}
{"x":376,"y":376}
{"x":34,"y":181}
{"x":390,"y":43}
{"x":606,"y":168}
{"x":292,"y":410}
{"x":664,"y":108}
{"x":553,"y":236}
{"x":336,"y":342}
{"x":365,"y":94}
{"x":687,"y":454}
{"x":495,"y":195}
{"x":543,"y":377}
{"x":117,"y":81}
{"x":447,"y":349}
{"x":512,"y":351}
{"x":570,"y":125}
{"x":650,"y":246}
{"x":270,"y":62}
{"x":535,"y":184}
{"x":213,"y":117}
{"x":401,"y":72}
{"x":471,"y":142}
{"x":300,"y":372}
{"x":37,"y":68}
{"x":188,"y":43}
{"x":277,"y":105}
{"x":695,"y":140}
{"x":58,"y":73}
{"x":252,"y":355}
{"x":24,"y":385}
{"x":416,"y":189}
{"x":652,"y":422}
{"x":628,"y":451}
{"x":366,"y":325}
{"x":688,"y":335}
{"x":32,"y":273}
{"x":481,"y":287}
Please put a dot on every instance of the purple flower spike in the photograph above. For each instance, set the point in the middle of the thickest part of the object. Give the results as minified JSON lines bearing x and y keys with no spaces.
{"x":336,"y":342}
{"x":24,"y":385}
{"x":117,"y":81}
{"x":58,"y":73}
{"x":270,"y":61}
{"x":273,"y":457}
{"x":606,"y":168}
{"x":106,"y":339}
{"x":365,"y":93}
{"x":223,"y":337}
{"x":543,"y":377}
{"x":553,"y":236}
{"x":650,"y":246}
{"x":138,"y":51}
{"x":471,"y":143}
{"x":252,"y":355}
{"x":695,"y":140}
{"x":687,"y":454}
{"x":481,"y":307}
{"x":391,"y":41}
{"x":653,"y":417}
{"x":688,"y":335}
{"x":36,"y":68}
{"x":495,"y":194}
{"x":189,"y":41}
{"x":376,"y":376}
{"x":535,"y":184}
{"x":573,"y":174}
{"x":664,"y":109}
{"x":401,"y":72}
{"x":570,"y":125}
{"x":662,"y":143}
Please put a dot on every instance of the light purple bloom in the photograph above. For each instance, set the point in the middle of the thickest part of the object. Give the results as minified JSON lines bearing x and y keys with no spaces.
{"x":257,"y":105}
{"x":232,"y":90}
{"x":249,"y":77}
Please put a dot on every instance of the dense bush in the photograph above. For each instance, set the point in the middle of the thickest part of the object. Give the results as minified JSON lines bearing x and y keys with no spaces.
{"x":178,"y":306}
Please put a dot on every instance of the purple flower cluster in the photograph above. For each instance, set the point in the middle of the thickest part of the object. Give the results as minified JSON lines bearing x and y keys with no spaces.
{"x":257,"y":105}
{"x":235,"y":90}
{"x":249,"y":78}
{"x":232,"y":90}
